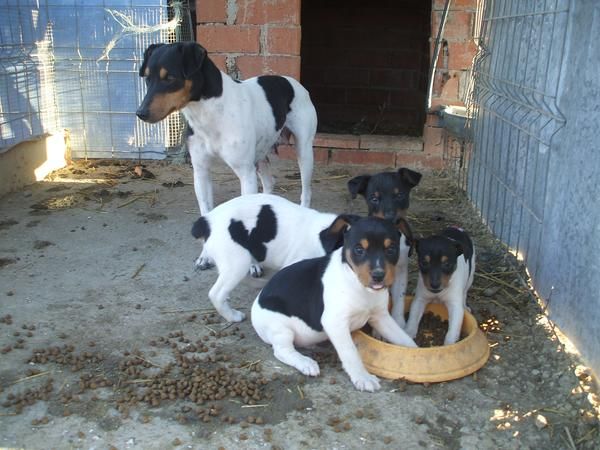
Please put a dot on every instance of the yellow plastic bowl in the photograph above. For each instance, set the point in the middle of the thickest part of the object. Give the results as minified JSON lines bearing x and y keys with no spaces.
{"x":430,"y":364}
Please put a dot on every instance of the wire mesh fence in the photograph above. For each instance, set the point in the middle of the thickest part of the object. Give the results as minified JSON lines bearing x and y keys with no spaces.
{"x":516,"y":77}
{"x":55,"y":73}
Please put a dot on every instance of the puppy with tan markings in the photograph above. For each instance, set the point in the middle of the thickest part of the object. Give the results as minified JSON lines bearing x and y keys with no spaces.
{"x":387,"y":196}
{"x":446,"y":271}
{"x":331,"y":296}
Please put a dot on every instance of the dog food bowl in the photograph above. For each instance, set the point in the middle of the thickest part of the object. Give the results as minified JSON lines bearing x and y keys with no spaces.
{"x":427,"y":364}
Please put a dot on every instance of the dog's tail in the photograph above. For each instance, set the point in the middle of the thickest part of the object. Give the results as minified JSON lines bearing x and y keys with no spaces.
{"x":201,"y":229}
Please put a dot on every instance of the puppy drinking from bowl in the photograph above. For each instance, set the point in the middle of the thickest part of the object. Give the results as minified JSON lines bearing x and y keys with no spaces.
{"x":329,"y":297}
{"x":446,"y":270}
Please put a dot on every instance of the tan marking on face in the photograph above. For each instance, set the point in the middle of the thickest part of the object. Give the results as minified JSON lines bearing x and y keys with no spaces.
{"x":444,"y":259}
{"x":390,"y":273}
{"x":361,"y":270}
{"x":396,"y":191}
{"x":427,"y":258}
{"x":445,"y":280}
{"x":387,"y":243}
{"x":401,"y":213}
{"x":364,"y":243}
{"x":147,"y":72}
{"x":164,"y":104}
{"x":163,"y":73}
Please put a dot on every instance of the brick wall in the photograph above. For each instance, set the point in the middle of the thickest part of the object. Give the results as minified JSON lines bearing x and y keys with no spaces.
{"x":252,"y":37}
{"x":247,"y":37}
{"x":366,"y":64}
{"x":452,"y":72}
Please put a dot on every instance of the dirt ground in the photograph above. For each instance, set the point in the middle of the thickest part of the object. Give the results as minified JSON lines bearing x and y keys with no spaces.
{"x":108,"y":339}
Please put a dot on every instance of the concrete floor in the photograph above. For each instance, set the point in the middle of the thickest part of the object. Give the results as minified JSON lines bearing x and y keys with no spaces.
{"x":96,"y":273}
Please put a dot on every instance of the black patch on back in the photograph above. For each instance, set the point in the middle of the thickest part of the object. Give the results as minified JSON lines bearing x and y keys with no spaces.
{"x":297,"y":291}
{"x":461,"y":236}
{"x":280,"y":94}
{"x":201,"y":229}
{"x":264,"y":231}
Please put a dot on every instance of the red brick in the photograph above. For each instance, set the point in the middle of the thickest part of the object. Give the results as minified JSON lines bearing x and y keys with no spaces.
{"x":260,"y":12}
{"x":433,"y":141}
{"x":253,"y":65}
{"x":456,"y":4}
{"x":450,"y":90}
{"x":283,"y":40}
{"x":234,"y":38}
{"x":459,"y":26}
{"x":336,"y":140}
{"x":391,"y":143}
{"x":219,"y":60}
{"x":288,"y":152}
{"x":209,"y":11}
{"x":460,"y":55}
{"x":363,"y":157}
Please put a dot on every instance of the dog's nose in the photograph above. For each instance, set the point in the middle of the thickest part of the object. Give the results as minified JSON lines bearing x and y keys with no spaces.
{"x":143,"y":114}
{"x":435,"y":285}
{"x":378,"y":275}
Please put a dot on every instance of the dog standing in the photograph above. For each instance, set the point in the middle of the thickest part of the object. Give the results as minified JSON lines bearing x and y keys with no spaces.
{"x":331,"y":296}
{"x":261,"y":228}
{"x":387,"y":196}
{"x":238,"y":121}
{"x":446,"y":271}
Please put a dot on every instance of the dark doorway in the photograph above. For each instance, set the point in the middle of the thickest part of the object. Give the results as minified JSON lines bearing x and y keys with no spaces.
{"x":366,"y":64}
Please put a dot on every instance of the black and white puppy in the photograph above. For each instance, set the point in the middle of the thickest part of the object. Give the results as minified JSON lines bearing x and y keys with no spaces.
{"x":266,"y":229}
{"x":331,"y":296}
{"x":446,"y":271}
{"x":238,"y":121}
{"x":387,"y":195}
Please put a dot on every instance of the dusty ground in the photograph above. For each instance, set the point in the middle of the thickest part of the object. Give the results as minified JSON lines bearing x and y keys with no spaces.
{"x":98,"y":294}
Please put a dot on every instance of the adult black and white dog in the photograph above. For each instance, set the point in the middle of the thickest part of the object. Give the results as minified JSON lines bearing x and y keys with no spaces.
{"x":331,"y":296}
{"x":266,"y":229}
{"x":239,"y":121}
{"x":446,"y":271}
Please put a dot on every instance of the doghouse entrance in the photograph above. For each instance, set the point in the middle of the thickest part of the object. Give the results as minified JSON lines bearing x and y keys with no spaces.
{"x":366,"y":64}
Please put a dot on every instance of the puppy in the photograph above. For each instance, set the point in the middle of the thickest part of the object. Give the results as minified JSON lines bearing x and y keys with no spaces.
{"x":261,"y":228}
{"x":239,"y":121}
{"x":387,"y":196}
{"x":331,"y":296}
{"x":446,"y":270}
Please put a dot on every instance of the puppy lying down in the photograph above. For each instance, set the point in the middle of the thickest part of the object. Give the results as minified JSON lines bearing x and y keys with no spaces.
{"x":329,"y":297}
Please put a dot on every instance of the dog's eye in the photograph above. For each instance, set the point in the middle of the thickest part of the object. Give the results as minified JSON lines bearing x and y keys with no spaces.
{"x":359,"y":250}
{"x":424,"y":265}
{"x":447,"y":267}
{"x":400,"y":195}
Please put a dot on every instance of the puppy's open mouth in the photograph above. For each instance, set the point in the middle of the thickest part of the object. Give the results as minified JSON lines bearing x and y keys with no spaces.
{"x":376,"y":286}
{"x":436,"y":291}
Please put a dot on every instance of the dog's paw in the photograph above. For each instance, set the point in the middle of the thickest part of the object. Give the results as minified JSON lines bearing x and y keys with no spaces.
{"x":203,"y":263}
{"x":256,"y":271}
{"x":308,"y":366}
{"x":233,"y":315}
{"x":366,"y":382}
{"x":449,"y":340}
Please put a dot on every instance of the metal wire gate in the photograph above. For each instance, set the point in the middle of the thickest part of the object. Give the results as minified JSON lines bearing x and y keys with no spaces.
{"x":56,"y":72}
{"x":516,"y":77}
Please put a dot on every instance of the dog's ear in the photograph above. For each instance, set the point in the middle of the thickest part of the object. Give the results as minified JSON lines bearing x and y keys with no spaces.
{"x":147,"y":54}
{"x":459,"y":248}
{"x":332,"y":237}
{"x":410,"y":177}
{"x":193,"y":58}
{"x":358,"y":185}
{"x":403,"y":227}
